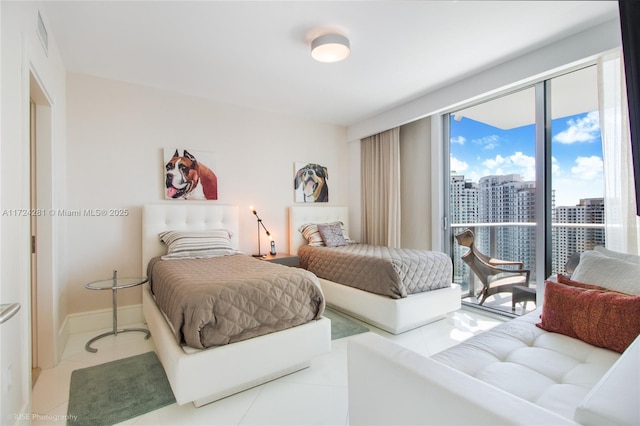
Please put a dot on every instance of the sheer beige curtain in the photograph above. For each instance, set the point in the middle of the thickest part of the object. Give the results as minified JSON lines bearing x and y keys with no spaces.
{"x":380,"y":168}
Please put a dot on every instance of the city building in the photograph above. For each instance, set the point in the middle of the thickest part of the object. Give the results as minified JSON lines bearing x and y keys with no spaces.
{"x":509,"y":202}
{"x":569,"y":239}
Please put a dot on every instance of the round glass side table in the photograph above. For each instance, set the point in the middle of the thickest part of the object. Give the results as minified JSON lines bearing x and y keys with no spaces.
{"x":114,"y":284}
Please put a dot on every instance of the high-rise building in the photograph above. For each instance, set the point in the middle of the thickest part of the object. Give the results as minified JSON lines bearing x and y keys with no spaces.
{"x":463,"y":202}
{"x":509,"y":201}
{"x":576,"y":239}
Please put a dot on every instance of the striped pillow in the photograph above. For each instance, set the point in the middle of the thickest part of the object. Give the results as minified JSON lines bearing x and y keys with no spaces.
{"x":197,"y":244}
{"x":311,"y":234}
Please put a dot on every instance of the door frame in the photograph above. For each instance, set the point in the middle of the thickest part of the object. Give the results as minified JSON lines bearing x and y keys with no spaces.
{"x":44,"y":323}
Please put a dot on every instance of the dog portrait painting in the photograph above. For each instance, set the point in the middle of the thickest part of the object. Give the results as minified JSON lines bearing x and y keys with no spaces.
{"x":310,"y":183}
{"x":188,"y":176}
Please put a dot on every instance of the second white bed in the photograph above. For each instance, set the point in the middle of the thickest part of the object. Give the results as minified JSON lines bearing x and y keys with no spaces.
{"x":393,"y":315}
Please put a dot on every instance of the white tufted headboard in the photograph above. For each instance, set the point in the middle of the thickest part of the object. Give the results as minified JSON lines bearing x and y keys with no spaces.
{"x":300,"y":215}
{"x":180,"y":216}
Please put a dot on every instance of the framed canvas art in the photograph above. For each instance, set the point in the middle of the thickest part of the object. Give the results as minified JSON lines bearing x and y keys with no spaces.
{"x":310,"y":183}
{"x":188,"y":175}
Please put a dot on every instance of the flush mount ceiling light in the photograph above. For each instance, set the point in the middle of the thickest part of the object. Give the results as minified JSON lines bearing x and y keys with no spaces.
{"x":330,"y":48}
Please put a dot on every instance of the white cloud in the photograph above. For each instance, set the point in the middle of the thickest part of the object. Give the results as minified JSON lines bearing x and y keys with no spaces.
{"x":569,"y":191}
{"x":519,"y":159}
{"x":588,"y":168}
{"x":584,"y":180}
{"x":458,"y":166}
{"x":585,"y":129}
{"x":494,"y":163}
{"x":555,"y":165}
{"x":460,"y":140}
{"x":517,"y":163}
{"x":488,"y":142}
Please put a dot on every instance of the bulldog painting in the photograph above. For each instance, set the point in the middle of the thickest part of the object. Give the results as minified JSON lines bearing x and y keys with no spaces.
{"x":310,"y":183}
{"x":188,"y":178}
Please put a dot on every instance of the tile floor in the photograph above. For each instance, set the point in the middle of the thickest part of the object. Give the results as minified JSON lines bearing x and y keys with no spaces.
{"x":314,"y":396}
{"x":502,"y":302}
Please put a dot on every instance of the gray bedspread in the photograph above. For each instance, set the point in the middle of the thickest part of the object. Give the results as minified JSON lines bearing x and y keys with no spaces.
{"x":393,"y":272}
{"x":220,"y":300}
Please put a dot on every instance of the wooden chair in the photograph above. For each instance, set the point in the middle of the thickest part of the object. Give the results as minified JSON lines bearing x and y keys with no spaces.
{"x":496,"y":275}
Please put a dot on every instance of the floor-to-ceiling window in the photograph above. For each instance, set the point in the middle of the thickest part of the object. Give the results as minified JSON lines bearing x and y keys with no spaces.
{"x":577,"y":169}
{"x":502,"y":153}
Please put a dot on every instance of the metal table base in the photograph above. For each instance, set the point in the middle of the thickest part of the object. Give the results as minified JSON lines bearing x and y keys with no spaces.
{"x":115,"y":330}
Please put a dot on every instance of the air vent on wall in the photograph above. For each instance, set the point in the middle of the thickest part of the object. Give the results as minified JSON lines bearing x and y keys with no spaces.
{"x":42,"y":34}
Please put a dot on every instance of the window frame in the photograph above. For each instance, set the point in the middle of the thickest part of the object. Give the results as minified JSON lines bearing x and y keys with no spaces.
{"x":543,"y":151}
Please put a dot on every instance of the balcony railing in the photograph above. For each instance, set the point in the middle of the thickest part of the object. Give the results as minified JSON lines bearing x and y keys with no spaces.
{"x":516,"y":241}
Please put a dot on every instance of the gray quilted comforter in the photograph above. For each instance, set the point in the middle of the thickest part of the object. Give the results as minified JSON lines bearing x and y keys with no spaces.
{"x":393,"y":272}
{"x":221,"y":300}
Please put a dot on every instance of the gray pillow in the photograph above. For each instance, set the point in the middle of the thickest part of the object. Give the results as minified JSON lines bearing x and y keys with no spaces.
{"x":332,"y":235}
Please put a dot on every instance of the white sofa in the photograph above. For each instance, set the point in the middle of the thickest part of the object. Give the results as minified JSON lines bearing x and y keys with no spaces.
{"x":542,"y":381}
{"x":515,"y":373}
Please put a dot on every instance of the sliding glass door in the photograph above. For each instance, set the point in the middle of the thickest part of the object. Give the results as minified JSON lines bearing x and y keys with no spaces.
{"x":502,"y":155}
{"x":578,"y":167}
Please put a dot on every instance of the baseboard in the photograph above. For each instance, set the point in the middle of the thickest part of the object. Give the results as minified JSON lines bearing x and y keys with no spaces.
{"x":63,"y":337}
{"x":99,"y":320}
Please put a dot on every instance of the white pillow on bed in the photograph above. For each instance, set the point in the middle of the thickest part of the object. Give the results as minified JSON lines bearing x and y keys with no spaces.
{"x":311,"y":233}
{"x":197,"y":244}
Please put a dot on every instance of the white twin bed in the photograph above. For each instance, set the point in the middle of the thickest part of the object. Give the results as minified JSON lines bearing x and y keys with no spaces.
{"x":392,"y":315}
{"x":201,"y":376}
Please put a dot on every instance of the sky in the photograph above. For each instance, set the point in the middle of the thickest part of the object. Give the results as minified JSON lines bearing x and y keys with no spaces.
{"x":478,"y":150}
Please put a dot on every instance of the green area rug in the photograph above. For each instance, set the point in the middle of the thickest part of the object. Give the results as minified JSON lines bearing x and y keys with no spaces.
{"x":341,"y":326}
{"x":111,"y":393}
{"x":119,"y":390}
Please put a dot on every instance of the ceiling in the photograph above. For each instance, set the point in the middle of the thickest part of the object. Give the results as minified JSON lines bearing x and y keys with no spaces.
{"x":256,"y":54}
{"x":572,"y":93}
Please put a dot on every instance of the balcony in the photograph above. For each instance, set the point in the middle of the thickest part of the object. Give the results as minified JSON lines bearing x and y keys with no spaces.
{"x":516,"y":242}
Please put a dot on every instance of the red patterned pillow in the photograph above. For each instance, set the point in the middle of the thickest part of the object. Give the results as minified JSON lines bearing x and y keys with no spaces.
{"x":602,"y":318}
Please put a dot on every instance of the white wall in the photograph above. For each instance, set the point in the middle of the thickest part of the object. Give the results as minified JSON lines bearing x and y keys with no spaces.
{"x":116,"y":136}
{"x":21,"y":54}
